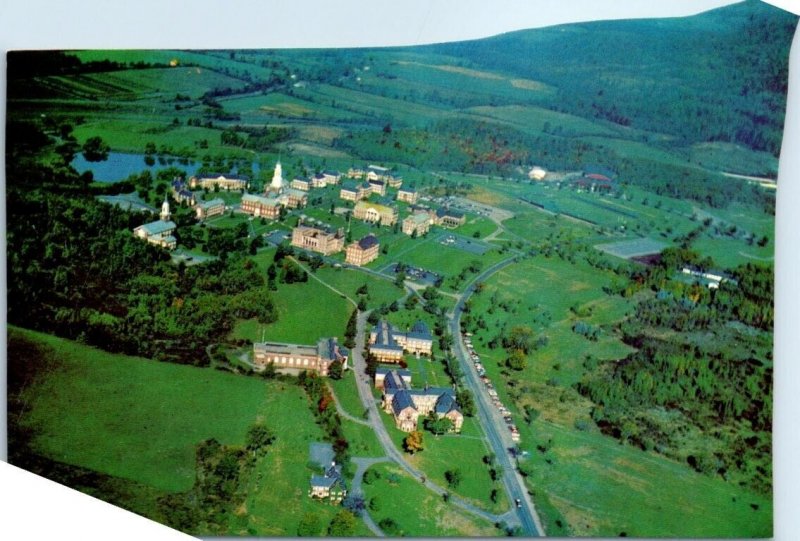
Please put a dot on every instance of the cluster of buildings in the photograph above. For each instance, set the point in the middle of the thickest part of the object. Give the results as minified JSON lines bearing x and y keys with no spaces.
{"x":296,"y":358}
{"x":407,"y":405}
{"x":319,"y":180}
{"x":161,"y":232}
{"x":420,"y":220}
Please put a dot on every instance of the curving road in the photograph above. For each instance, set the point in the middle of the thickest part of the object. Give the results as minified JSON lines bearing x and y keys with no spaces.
{"x":494,"y":426}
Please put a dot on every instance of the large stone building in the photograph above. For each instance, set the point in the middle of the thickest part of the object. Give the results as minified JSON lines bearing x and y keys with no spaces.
{"x":389,"y":344}
{"x":225,"y":182}
{"x":377,"y":186}
{"x":260,"y":206}
{"x":295,"y":358}
{"x":319,"y":240}
{"x":208,"y":209}
{"x":293,"y":198}
{"x":374,"y":213}
{"x":417,"y":224}
{"x":407,"y":405}
{"x":362,"y":252}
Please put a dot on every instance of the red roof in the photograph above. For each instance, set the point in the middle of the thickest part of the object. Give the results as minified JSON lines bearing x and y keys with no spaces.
{"x":595,"y":176}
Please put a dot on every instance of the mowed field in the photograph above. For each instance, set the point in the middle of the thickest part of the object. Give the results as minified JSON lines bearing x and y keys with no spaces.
{"x":417,"y":511}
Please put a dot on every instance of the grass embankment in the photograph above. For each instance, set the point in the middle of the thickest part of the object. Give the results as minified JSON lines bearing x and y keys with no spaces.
{"x":136,"y":422}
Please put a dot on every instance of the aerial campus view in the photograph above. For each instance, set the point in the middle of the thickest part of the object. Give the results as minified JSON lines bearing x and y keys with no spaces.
{"x":514,"y":286}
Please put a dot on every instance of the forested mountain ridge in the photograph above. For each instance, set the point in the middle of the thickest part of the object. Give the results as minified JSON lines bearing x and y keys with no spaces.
{"x":717,"y":76}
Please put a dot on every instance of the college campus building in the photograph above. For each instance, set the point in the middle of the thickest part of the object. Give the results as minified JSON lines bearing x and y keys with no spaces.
{"x":382,"y":371}
{"x":374,"y":213}
{"x":377,"y":186}
{"x":355,"y":192}
{"x":160,"y":232}
{"x":448,"y":218}
{"x":388,"y":344}
{"x":208,"y":209}
{"x":419,"y":223}
{"x":319,"y":240}
{"x":362,"y":252}
{"x":295,"y":358}
{"x":260,"y":206}
{"x":301,"y":183}
{"x":407,"y":405}
{"x":225,"y":182}
{"x":409,"y":195}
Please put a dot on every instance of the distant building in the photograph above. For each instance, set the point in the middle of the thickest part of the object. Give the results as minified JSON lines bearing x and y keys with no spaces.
{"x":208,"y":209}
{"x":355,"y":192}
{"x":395,"y":182}
{"x":332,"y":177}
{"x":158,"y":233}
{"x":356,"y":172}
{"x":409,"y":195}
{"x":225,"y":182}
{"x":295,"y":358}
{"x":301,"y":183}
{"x":318,"y":240}
{"x":362,"y":252}
{"x":377,"y":186}
{"x":319,"y":181}
{"x":447,"y":217}
{"x":389,"y":344}
{"x":260,"y":206}
{"x":374,"y":213}
{"x":408,"y":405}
{"x":419,"y":223}
{"x":277,"y":178}
{"x":293,"y":198}
{"x":329,"y":486}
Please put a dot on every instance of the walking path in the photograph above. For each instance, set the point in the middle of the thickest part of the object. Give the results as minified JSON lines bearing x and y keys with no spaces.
{"x":362,"y":464}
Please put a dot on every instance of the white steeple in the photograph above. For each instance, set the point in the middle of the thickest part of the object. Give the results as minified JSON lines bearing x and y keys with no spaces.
{"x":277,"y":177}
{"x":165,"y":209}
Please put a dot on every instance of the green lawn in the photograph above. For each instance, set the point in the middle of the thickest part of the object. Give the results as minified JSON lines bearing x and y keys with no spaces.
{"x":306,"y":312}
{"x":380,"y":291}
{"x":418,"y":511}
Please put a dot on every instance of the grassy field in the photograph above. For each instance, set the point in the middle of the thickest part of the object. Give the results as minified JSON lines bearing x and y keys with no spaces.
{"x":602,"y":488}
{"x":417,"y":511}
{"x":380,"y":291}
{"x":463,"y":451}
{"x":278,"y":105}
{"x":306,"y":312}
{"x":140,"y":420}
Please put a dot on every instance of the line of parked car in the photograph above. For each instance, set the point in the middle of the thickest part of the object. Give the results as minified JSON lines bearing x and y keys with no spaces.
{"x":504,"y":411}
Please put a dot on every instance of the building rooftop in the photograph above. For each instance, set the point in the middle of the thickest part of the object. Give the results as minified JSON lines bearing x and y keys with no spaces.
{"x":402,"y":400}
{"x":212,"y":203}
{"x":394,"y":381}
{"x":266,"y":201}
{"x":419,"y":217}
{"x":158,"y":227}
{"x":286,"y":349}
{"x":449,"y":212}
{"x":420,"y":330}
{"x":384,"y":336}
{"x":445,"y":404}
{"x":368,"y":242}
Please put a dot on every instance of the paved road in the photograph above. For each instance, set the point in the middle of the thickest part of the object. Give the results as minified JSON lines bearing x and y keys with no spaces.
{"x":364,"y":385}
{"x":362,"y":464}
{"x":493,"y":424}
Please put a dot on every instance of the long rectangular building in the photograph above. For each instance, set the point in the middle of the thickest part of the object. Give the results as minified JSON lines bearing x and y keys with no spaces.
{"x":318,"y":240}
{"x":296,"y":358}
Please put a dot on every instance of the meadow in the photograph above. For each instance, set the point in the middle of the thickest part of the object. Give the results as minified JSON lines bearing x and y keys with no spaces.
{"x":415,"y":510}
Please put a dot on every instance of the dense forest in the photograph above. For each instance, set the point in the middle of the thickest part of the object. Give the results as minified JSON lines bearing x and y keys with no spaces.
{"x":702,"y":365}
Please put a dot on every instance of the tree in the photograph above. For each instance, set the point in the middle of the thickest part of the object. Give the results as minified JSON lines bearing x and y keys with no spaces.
{"x":466,"y":402}
{"x":521,"y":337}
{"x":343,"y":524}
{"x":438,"y":425}
{"x":517,"y":360}
{"x":413,"y":442}
{"x":95,"y":149}
{"x":335,"y":370}
{"x":259,"y":437}
{"x":453,"y":478}
{"x":309,"y":526}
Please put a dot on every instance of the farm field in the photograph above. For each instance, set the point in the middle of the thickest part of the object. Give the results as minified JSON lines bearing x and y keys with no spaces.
{"x":416,"y":511}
